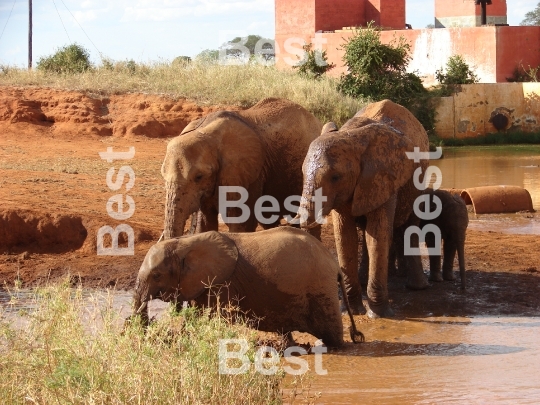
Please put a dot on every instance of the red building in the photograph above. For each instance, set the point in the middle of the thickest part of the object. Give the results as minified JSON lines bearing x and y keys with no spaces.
{"x":493,"y":51}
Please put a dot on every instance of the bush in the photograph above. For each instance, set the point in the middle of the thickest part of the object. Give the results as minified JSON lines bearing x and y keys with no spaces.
{"x":314,"y":64}
{"x":457,"y":72}
{"x":378,"y":71}
{"x":67,"y":60}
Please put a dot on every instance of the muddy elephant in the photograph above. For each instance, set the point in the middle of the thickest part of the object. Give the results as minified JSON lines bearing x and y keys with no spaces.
{"x":452,"y":221}
{"x":260,"y":149}
{"x":283,"y":277}
{"x":366,"y":177}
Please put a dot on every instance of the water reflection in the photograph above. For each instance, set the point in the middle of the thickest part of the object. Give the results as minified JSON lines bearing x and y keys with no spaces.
{"x":495,"y":165}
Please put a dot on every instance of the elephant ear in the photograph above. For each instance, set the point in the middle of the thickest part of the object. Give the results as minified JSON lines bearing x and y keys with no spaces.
{"x":242,"y":154}
{"x":384,"y":166}
{"x":193,"y":125}
{"x":210,"y":259}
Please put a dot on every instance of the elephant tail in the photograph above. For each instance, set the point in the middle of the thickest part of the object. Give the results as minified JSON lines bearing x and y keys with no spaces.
{"x":352,"y":330}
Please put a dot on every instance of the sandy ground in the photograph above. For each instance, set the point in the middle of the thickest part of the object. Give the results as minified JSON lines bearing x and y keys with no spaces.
{"x":53,"y":196}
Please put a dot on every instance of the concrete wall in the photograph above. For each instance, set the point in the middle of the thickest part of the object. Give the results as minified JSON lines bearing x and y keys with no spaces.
{"x":477,"y":108}
{"x":492,"y":52}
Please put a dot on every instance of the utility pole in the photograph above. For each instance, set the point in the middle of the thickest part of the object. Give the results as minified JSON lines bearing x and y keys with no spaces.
{"x":29,"y":34}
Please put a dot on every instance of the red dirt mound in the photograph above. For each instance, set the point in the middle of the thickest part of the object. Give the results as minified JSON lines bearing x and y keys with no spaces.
{"x":73,"y":113}
{"x":46,"y":233}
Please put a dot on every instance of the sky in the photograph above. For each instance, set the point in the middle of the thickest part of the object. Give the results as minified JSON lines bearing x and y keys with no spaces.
{"x":154,"y":30}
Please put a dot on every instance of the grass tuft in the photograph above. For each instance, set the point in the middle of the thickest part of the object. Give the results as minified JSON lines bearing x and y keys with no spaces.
{"x":69,"y":350}
{"x":205,"y":83}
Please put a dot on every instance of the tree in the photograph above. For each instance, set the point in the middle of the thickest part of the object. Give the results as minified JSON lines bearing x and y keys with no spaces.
{"x":532,"y":17}
{"x":68,"y":59}
{"x":257,"y":46}
{"x":379,"y":71}
{"x":457,"y":72}
{"x":208,"y":55}
{"x":314,"y":63}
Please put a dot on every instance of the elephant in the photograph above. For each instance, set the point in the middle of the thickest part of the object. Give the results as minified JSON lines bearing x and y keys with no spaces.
{"x":367,"y":178}
{"x":452,"y":222}
{"x":260,"y":149}
{"x":283,"y":277}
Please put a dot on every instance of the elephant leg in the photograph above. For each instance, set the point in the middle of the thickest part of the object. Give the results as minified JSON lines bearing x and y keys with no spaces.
{"x":401,"y":270}
{"x":250,"y":224}
{"x":449,"y":248}
{"x":461,"y":259}
{"x":346,"y":238}
{"x":364,"y":260}
{"x":435,"y":273}
{"x":416,"y":279}
{"x":378,"y":238}
{"x":207,"y":219}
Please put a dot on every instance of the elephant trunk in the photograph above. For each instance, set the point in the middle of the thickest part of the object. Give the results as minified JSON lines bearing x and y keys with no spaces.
{"x":307,"y":215}
{"x":140,"y":302}
{"x":175,"y":217}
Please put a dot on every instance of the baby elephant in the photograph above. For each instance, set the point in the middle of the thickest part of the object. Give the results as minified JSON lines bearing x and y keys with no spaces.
{"x":283,"y":277}
{"x":452,"y":221}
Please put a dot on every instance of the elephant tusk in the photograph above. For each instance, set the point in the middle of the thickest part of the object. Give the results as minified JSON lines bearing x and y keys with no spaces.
{"x":161,"y":237}
{"x":142,"y":307}
{"x":193,"y":227}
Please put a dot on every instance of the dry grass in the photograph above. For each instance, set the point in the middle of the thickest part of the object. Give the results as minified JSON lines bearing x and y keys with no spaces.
{"x":205,"y":83}
{"x":69,"y":349}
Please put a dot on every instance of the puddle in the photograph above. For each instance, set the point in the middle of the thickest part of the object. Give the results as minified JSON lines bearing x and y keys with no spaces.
{"x":437,"y":361}
{"x":495,"y":165}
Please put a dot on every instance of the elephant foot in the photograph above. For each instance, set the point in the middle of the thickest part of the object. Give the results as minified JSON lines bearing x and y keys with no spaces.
{"x":380,"y":311}
{"x":356,"y":304}
{"x":436,"y":276}
{"x":417,"y":282}
{"x":449,"y":275}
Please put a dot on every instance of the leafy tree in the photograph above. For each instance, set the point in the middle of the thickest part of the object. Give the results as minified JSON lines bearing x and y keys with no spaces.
{"x":208,"y":55}
{"x":68,"y":59}
{"x":181,"y":60}
{"x":378,"y":71}
{"x":314,"y":63}
{"x":457,"y":72}
{"x":532,"y":17}
{"x":266,"y":48}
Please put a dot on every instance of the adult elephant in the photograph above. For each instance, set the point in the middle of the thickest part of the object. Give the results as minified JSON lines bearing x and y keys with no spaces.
{"x":284,"y":278}
{"x":260,"y":149}
{"x":367,"y":179}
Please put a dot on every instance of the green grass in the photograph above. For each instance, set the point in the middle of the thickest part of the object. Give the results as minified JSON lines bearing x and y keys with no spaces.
{"x":70,"y":350}
{"x":499,"y":138}
{"x":205,"y":83}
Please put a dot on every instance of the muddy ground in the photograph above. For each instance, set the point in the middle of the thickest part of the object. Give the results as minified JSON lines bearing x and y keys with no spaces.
{"x":53,"y":196}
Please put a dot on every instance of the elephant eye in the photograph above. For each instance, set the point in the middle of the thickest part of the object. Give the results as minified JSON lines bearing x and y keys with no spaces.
{"x":198,"y":177}
{"x":335,"y":178}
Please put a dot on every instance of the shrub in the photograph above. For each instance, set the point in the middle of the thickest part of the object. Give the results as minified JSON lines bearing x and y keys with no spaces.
{"x":457,"y":72}
{"x":314,"y":63}
{"x":378,"y":71}
{"x":69,"y":60}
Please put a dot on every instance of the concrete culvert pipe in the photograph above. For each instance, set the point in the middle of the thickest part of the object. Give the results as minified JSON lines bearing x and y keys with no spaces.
{"x":497,"y":199}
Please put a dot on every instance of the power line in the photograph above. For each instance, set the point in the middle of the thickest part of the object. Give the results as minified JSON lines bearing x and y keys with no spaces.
{"x":5,"y":25}
{"x":81,"y":27}
{"x":61,"y":21}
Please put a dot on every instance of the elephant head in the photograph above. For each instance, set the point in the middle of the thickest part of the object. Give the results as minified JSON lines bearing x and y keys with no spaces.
{"x":180,"y":269}
{"x":219,"y":150}
{"x":362,"y":165}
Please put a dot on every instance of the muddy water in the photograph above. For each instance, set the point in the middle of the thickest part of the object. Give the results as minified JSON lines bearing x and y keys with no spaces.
{"x":485,"y":360}
{"x":494,"y":165}
{"x":438,"y":360}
